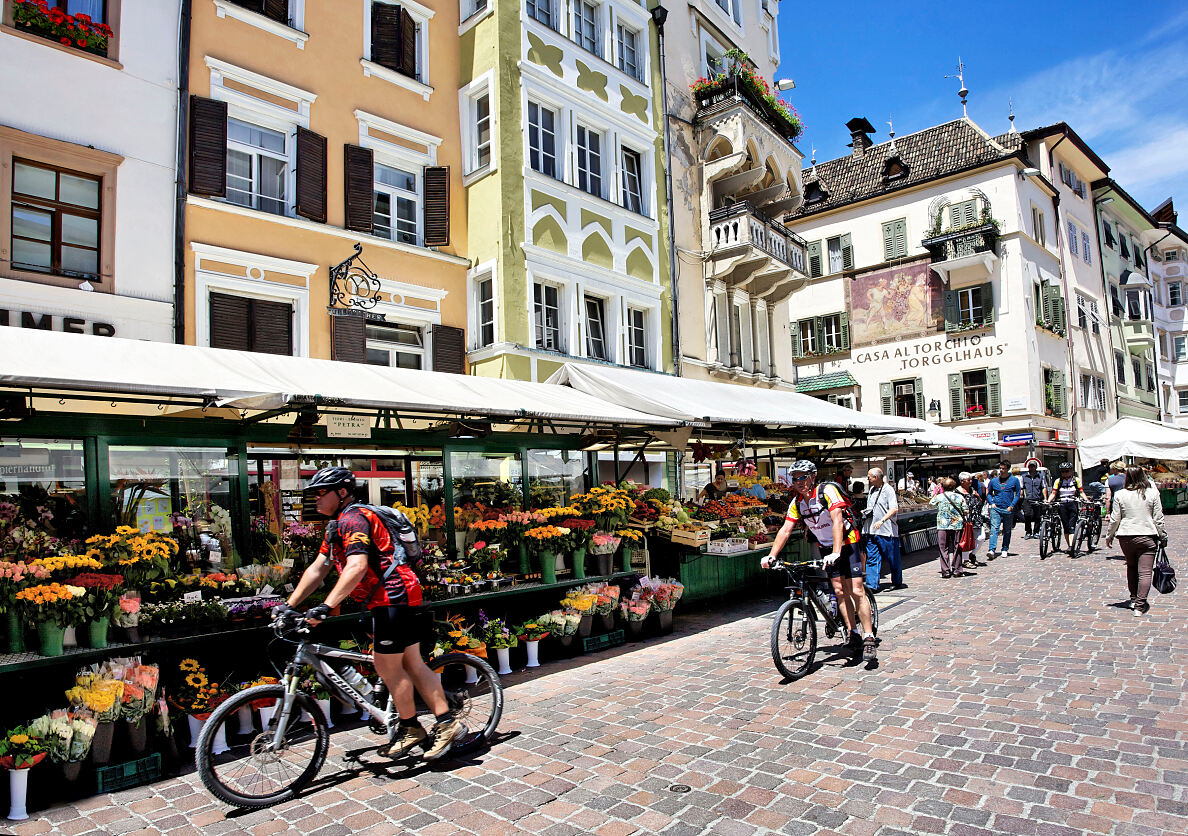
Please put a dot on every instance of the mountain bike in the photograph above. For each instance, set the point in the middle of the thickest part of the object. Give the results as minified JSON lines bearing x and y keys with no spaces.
{"x":1088,"y":527}
{"x":1050,"y":529}
{"x":794,"y":631}
{"x":273,"y":764}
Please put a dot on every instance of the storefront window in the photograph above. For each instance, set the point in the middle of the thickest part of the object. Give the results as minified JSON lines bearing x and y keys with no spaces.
{"x":42,"y":493}
{"x":554,"y":476}
{"x":493,"y":480}
{"x":149,"y":485}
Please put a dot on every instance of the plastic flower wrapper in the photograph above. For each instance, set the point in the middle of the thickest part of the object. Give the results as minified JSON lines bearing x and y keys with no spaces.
{"x":580,"y":600}
{"x":21,"y":746}
{"x":604,"y":543}
{"x":635,"y":609}
{"x":554,"y":622}
{"x":56,"y":731}
{"x":83,"y":728}
{"x":573,"y":620}
{"x":127,"y":611}
{"x":531,"y":631}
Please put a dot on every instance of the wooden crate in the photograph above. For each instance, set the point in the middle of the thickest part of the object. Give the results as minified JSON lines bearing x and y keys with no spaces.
{"x":684,"y":537}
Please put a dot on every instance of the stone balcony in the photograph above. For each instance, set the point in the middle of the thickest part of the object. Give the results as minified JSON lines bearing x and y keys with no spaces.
{"x":752,"y":253}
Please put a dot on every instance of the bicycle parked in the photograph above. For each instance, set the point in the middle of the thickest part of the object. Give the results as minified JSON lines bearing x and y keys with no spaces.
{"x":1087,"y":532}
{"x":273,"y":764}
{"x":794,"y":631}
{"x":1050,"y":528}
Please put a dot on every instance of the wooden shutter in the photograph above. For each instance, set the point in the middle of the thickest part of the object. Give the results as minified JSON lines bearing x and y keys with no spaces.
{"x":1046,"y":312}
{"x":814,"y":259}
{"x":359,"y":185}
{"x":349,"y":337}
{"x":437,"y":205}
{"x":1058,"y":394}
{"x":819,"y":334}
{"x":888,"y":241}
{"x":962,"y":214}
{"x":951,"y":313}
{"x":1060,"y":310}
{"x":901,"y":238}
{"x":956,"y":398}
{"x":988,"y":303}
{"x":918,"y":385}
{"x":845,"y":330}
{"x":993,"y":393}
{"x":386,"y":45}
{"x":230,"y":322}
{"x":311,"y":175}
{"x":208,"y":147}
{"x":449,"y":349}
{"x":277,"y":10}
{"x":408,"y":44}
{"x":885,"y":397}
{"x":847,"y":252}
{"x":272,"y":327}
{"x":797,"y":353}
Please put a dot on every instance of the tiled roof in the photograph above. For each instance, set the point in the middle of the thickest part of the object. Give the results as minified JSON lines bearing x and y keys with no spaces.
{"x":820,"y":382}
{"x":928,"y":154}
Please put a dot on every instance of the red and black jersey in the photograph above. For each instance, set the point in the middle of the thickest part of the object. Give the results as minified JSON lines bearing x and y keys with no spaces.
{"x":361,"y":531}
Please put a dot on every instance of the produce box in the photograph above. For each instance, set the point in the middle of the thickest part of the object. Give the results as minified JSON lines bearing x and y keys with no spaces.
{"x":685,"y":537}
{"x":731,"y":545}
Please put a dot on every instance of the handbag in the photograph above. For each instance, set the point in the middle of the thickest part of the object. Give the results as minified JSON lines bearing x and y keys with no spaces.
{"x":1163,"y":577}
{"x":966,"y":542}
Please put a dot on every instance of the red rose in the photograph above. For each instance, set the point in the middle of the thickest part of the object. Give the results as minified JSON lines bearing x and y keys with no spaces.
{"x":81,"y":42}
{"x":65,"y":41}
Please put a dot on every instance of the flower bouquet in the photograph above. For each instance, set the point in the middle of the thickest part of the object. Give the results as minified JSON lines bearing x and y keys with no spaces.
{"x":561,"y":624}
{"x":98,"y":604}
{"x":487,"y":558}
{"x":496,"y":634}
{"x":581,"y":601}
{"x":518,"y":522}
{"x":20,"y":748}
{"x":531,"y":633}
{"x":312,"y":685}
{"x":455,"y":637}
{"x":560,"y":512}
{"x":13,"y":577}
{"x":141,"y":557}
{"x":49,"y":608}
{"x":607,"y":505}
{"x":547,"y":541}
{"x":63,"y":565}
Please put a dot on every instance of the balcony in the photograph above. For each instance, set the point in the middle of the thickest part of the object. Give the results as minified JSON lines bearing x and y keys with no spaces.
{"x":738,"y":86}
{"x":1139,"y":335}
{"x":752,"y":253}
{"x":964,"y":248}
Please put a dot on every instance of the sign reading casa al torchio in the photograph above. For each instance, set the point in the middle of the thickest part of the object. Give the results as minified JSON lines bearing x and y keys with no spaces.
{"x":939,"y":352}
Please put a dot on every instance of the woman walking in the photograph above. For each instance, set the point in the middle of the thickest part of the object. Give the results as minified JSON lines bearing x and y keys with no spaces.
{"x":950,"y":519}
{"x":1136,"y":518}
{"x":973,"y":520}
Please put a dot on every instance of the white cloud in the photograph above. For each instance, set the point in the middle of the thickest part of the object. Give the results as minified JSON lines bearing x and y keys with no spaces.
{"x":1161,"y":159}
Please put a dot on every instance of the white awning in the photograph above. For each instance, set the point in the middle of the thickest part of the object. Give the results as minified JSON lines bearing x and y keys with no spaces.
{"x":934,"y":435}
{"x":1138,"y":437}
{"x":56,"y":361}
{"x":705,"y":401}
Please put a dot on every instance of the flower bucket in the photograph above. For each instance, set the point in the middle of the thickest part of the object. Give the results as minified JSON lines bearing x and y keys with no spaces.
{"x":101,"y":743}
{"x":18,"y":791}
{"x":471,"y":675}
{"x":604,"y":564}
{"x":138,"y":736}
{"x":586,"y":625}
{"x":665,"y":621}
{"x":533,"y":653}
{"x":96,"y":632}
{"x":70,"y":771}
{"x":625,"y":557}
{"x":503,"y":654}
{"x":266,"y":712}
{"x":245,"y":720}
{"x":50,"y":638}
{"x":579,"y":563}
{"x":566,"y":641}
{"x":525,"y":565}
{"x":325,"y":706}
{"x":69,"y":638}
{"x":635,"y":628}
{"x":14,"y":631}
{"x":131,"y":634}
{"x":607,"y":621}
{"x":220,"y":741}
{"x":548,"y":567}
{"x":460,"y":542}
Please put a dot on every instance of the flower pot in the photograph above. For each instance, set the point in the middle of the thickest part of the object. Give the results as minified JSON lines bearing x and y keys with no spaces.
{"x":586,"y":625}
{"x":220,"y":741}
{"x":533,"y":653}
{"x":604,"y":563}
{"x":96,"y":632}
{"x":14,"y":631}
{"x":101,"y":743}
{"x":525,"y":565}
{"x":579,"y":563}
{"x":607,"y":621}
{"x":471,"y":675}
{"x":503,"y":654}
{"x":138,"y":736}
{"x":665,"y":621}
{"x":325,"y":706}
{"x":132,"y":634}
{"x":548,"y":567}
{"x":50,"y":638}
{"x":18,"y":791}
{"x":635,"y":628}
{"x":70,"y":771}
{"x":69,"y":637}
{"x":245,"y":719}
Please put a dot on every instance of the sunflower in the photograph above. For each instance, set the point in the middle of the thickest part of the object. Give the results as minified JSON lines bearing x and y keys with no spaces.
{"x":189,"y":665}
{"x":18,"y":739}
{"x":196,"y":680}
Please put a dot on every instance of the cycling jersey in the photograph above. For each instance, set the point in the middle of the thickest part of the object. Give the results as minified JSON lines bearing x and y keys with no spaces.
{"x":1067,"y":489}
{"x":814,"y":513}
{"x":361,"y":531}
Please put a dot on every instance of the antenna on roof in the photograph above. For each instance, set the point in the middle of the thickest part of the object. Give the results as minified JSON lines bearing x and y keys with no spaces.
{"x":1011,"y":105}
{"x":891,"y":125}
{"x":963,"y":92}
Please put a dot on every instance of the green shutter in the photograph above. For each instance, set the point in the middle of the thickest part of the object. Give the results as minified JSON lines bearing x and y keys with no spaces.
{"x":988,"y":303}
{"x":901,"y":247}
{"x":956,"y":397}
{"x":885,"y":397}
{"x":814,"y":259}
{"x":847,"y":252}
{"x":962,"y":214}
{"x":845,"y":330}
{"x":919,"y":387}
{"x":796,"y":352}
{"x":888,"y":240}
{"x":994,"y":394}
{"x":831,"y":398}
{"x":951,"y":313}
{"x":1060,"y":311}
{"x":1058,"y":393}
{"x":819,"y":330}
{"x":1046,"y":313}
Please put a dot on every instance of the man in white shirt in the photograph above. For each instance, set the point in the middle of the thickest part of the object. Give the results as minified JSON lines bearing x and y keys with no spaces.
{"x":882,"y":529}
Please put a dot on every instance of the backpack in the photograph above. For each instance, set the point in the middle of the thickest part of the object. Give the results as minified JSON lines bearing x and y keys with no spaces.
{"x":403,"y":534}
{"x":849,"y":513}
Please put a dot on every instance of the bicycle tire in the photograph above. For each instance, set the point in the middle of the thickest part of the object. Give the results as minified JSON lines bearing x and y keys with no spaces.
{"x":1093,"y":539}
{"x":804,"y":644}
{"x":486,"y":678}
{"x":874,"y":612}
{"x":1078,"y":538}
{"x":209,"y":763}
{"x":1044,"y":538}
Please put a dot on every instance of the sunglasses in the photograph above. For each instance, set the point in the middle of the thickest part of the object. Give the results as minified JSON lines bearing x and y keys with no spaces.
{"x":798,"y":479}
{"x":318,"y":493}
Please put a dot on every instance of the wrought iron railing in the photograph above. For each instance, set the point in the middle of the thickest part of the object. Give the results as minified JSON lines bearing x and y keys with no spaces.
{"x":732,"y":87}
{"x":962,"y":242}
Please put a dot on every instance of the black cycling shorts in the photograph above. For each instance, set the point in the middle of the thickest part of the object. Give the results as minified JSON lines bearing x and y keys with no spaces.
{"x":1068,"y":516}
{"x":399,"y":628}
{"x":851,"y":564}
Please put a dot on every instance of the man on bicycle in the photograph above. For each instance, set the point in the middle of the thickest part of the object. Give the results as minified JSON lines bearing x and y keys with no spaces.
{"x":1067,"y":491}
{"x":372,"y":570}
{"x":822,"y":509}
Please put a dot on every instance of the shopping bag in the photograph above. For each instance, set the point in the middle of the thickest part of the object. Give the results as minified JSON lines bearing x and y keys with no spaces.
{"x":966,"y":542}
{"x":1164,"y":576}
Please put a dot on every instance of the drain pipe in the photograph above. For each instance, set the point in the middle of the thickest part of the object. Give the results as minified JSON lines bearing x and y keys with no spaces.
{"x":659,"y":15}
{"x":179,"y":210}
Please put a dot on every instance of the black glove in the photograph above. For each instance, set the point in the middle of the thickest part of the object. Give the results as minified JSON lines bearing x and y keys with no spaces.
{"x":317,"y":613}
{"x":283,"y":611}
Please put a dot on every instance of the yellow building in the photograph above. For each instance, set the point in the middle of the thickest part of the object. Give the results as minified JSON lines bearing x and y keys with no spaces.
{"x":316,"y":128}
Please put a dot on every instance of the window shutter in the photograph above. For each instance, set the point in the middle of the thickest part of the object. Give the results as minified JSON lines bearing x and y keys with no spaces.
{"x":988,"y":303}
{"x":956,"y":397}
{"x":1059,"y":319}
{"x":437,"y":205}
{"x":229,"y":322}
{"x":272,"y":327}
{"x":951,"y":313}
{"x":1072,"y":238}
{"x":1058,"y":393}
{"x":962,"y":214}
{"x":814,"y":259}
{"x":993,"y":393}
{"x":845,"y":330}
{"x":386,"y":44}
{"x":819,"y":333}
{"x":847,"y":251}
{"x":208,"y":147}
{"x":449,"y":349}
{"x":796,"y":353}
{"x":918,"y":385}
{"x":277,"y":10}
{"x":901,"y":238}
{"x":1046,"y":294}
{"x":311,"y":175}
{"x":349,"y":337}
{"x":358,"y":174}
{"x":885,"y":397}
{"x":888,"y":241}
{"x":408,"y":44}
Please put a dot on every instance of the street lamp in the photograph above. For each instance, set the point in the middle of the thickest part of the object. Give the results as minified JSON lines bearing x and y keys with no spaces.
{"x":785,"y":84}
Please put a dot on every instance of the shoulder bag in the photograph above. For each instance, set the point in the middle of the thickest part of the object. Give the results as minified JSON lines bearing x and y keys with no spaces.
{"x":1164,"y":576}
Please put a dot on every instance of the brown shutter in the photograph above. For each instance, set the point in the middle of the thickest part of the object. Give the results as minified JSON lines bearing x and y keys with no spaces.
{"x":358,"y":174}
{"x":208,"y":147}
{"x":349,"y":337}
{"x":449,"y":349}
{"x":408,"y":44}
{"x":272,"y":327}
{"x":229,"y":322}
{"x":311,"y":175}
{"x":278,"y":10}
{"x":437,"y":205}
{"x":385,"y":35}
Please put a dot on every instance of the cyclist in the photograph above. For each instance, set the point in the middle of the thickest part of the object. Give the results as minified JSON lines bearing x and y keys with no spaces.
{"x":1067,"y":491}
{"x":822,"y":509}
{"x":372,"y":571}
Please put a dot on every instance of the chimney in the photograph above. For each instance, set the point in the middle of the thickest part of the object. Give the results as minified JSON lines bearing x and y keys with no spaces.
{"x":860,"y":131}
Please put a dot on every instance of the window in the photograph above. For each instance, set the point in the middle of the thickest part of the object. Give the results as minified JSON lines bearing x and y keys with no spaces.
{"x":1120,"y":367}
{"x":632,"y":182}
{"x":1050,"y":309}
{"x":1150,"y":376}
{"x":396,"y":201}
{"x":242,"y":323}
{"x":542,"y":139}
{"x":397,"y":40}
{"x":1122,"y":248}
{"x":807,"y":329}
{"x":1115,"y":300}
{"x":908,"y":398}
{"x":843,"y":400}
{"x":637,"y":338}
{"x":963,"y":214}
{"x":814,"y":259}
{"x":595,"y":328}
{"x":894,"y":239}
{"x":976,"y":393}
{"x":1038,"y":230}
{"x":486,"y":312}
{"x":1094,"y":316}
{"x":831,"y":332}
{"x":257,"y":167}
{"x":55,"y":220}
{"x":1171,"y":255}
{"x":1136,"y":367}
{"x":1134,"y":304}
{"x":472,"y":7}
{"x":1175,"y":293}
{"x":1082,"y":314}
{"x":970,"y":307}
{"x":547,"y":317}
{"x":1182,"y":397}
{"x":628,"y":43}
{"x":585,"y":26}
{"x":396,"y":344}
{"x":840,"y":252}
{"x":542,"y":10}
{"x":589,"y":161}
{"x":1085,"y":254}
{"x":1092,"y":392}
{"x":821,"y":334}
{"x":1180,"y":349}
{"x":482,"y":131}
{"x":1053,"y":392}
{"x":1073,"y":238}
{"x":715,"y":60}
{"x":1138,"y":253}
{"x":1109,"y":233}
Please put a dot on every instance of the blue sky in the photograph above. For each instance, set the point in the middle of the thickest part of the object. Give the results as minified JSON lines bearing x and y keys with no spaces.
{"x":1116,"y":72}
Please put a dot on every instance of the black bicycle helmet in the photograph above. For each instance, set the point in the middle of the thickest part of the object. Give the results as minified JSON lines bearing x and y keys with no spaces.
{"x":802,"y":466}
{"x":332,"y":477}
{"x":1065,"y":466}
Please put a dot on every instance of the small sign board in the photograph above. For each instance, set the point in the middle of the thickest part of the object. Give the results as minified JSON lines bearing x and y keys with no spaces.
{"x":348,"y":426}
{"x":1016,"y":403}
{"x":1017,"y":438}
{"x":1063,"y":435}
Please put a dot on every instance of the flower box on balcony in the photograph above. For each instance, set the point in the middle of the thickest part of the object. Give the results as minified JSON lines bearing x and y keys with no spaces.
{"x":77,"y":31}
{"x":753,"y":89}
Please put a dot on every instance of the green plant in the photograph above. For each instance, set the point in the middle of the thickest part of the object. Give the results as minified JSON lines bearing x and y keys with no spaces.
{"x":22,"y":746}
{"x":76,"y":30}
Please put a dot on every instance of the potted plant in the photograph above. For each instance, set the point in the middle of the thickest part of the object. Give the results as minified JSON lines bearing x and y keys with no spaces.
{"x":48,"y":608}
{"x":496,"y":634}
{"x":20,"y":750}
{"x":14,"y":576}
{"x":77,"y":30}
{"x":531,"y":633}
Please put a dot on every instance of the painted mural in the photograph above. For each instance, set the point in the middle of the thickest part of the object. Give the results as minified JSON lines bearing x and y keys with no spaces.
{"x":894,"y":303}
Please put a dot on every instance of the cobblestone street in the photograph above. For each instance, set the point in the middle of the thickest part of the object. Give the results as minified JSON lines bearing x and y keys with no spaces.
{"x":1014,"y":701}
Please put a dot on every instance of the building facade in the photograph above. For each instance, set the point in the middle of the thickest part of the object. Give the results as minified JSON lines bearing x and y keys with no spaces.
{"x":1168,"y":265}
{"x":88,"y":128}
{"x":563,"y":175}
{"x":316,"y":132}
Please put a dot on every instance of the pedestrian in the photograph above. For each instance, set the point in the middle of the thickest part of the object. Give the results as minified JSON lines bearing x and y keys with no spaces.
{"x":1067,"y":491}
{"x":934,"y":486}
{"x":1035,"y":491}
{"x":1137,"y":521}
{"x":950,"y":518}
{"x":1093,"y":474}
{"x":1003,"y":493}
{"x":973,"y":519}
{"x":882,"y":538}
{"x":1115,"y":481}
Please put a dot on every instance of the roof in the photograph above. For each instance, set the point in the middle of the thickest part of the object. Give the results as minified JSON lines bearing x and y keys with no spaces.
{"x":928,"y":155}
{"x":1073,"y":136}
{"x":830,"y":380}
{"x":1108,"y":184}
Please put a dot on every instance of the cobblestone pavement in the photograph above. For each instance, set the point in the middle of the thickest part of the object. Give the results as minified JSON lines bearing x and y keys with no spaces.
{"x":1014,"y":701}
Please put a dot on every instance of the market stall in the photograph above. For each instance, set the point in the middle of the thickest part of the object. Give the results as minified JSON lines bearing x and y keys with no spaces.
{"x":1162,"y":448}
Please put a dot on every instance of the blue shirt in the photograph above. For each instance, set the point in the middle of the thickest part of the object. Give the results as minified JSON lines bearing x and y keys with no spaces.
{"x":1004,"y":495}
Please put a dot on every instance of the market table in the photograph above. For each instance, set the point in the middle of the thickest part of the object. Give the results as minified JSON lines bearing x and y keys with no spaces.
{"x":708,"y":576}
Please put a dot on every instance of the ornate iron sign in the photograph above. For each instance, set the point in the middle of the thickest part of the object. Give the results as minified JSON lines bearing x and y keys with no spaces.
{"x":352,"y":284}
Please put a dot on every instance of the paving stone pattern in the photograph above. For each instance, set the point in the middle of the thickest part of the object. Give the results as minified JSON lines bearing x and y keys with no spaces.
{"x":1016,"y":701}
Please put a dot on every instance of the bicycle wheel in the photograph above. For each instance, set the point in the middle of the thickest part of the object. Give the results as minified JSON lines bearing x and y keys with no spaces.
{"x":1045,"y":539}
{"x":874,"y":612}
{"x":1078,"y":538}
{"x":1093,"y":538}
{"x":478,"y":703}
{"x":793,"y":639}
{"x":252,"y":773}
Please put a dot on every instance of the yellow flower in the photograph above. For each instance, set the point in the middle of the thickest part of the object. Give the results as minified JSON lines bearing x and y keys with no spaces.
{"x":196,"y":680}
{"x":464,"y":642}
{"x":189,"y":665}
{"x":18,"y":739}
{"x":454,"y":634}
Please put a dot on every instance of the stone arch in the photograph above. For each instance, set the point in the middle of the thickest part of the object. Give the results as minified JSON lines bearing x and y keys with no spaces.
{"x":548,"y":233}
{"x":596,"y":250}
{"x":639,"y":265}
{"x":719,"y":147}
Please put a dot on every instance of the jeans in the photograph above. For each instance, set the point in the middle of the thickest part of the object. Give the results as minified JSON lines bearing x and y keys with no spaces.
{"x":879,"y":549}
{"x":1000,"y":518}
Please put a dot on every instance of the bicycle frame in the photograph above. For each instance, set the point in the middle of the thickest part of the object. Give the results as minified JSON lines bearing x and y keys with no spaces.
{"x":314,"y":655}
{"x":810,"y":590}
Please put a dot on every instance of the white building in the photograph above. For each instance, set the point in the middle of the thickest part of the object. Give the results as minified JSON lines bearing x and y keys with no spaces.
{"x":1168,"y":265}
{"x":88,"y":159}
